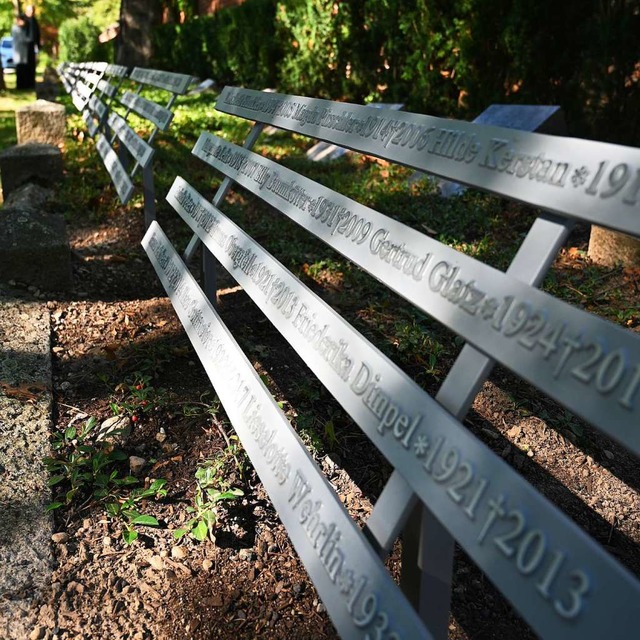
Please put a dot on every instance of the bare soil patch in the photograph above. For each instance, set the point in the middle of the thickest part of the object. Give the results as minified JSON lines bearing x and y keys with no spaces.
{"x":250,"y":582}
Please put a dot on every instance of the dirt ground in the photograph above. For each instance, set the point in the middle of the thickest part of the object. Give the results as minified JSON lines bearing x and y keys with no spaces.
{"x":250,"y":582}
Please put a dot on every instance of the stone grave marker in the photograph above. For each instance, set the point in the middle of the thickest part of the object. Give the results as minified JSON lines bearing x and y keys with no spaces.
{"x":41,"y":121}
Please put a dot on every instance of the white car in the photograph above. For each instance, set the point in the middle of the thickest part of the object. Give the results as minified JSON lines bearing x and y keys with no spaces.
{"x":6,"y":51}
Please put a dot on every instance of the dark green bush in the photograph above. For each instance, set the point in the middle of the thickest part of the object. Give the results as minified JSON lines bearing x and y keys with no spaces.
{"x":79,"y":41}
{"x":236,"y":45}
{"x":443,"y":57}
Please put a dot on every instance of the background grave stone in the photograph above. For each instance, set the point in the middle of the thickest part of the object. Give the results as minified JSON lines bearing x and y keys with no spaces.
{"x":32,"y":162}
{"x":41,"y":121}
{"x":34,"y":249}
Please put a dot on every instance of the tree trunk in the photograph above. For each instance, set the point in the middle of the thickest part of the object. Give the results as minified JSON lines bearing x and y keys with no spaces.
{"x":138,"y":18}
{"x":609,"y":248}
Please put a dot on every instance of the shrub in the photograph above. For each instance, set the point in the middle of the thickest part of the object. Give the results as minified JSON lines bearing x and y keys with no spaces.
{"x":235,"y":45}
{"x":451,"y":58}
{"x":79,"y":41}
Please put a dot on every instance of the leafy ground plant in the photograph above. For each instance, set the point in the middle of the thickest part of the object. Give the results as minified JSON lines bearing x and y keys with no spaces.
{"x":85,"y":471}
{"x":126,"y":509}
{"x":210,"y":490}
{"x":83,"y":468}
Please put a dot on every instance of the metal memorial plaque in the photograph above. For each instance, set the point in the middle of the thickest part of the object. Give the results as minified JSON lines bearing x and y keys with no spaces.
{"x":116,"y":71}
{"x":120,"y":178}
{"x":106,"y":88}
{"x":590,"y":365}
{"x":153,"y":112}
{"x":139,"y":149}
{"x":81,"y":95}
{"x":446,"y":466}
{"x":322,"y":151}
{"x":92,"y":127}
{"x":593,"y":181}
{"x":524,"y":117}
{"x":174,"y":82}
{"x":98,"y":107}
{"x":360,"y":595}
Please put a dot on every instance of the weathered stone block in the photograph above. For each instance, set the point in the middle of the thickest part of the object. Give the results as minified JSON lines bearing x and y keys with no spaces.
{"x":29,"y":196}
{"x":34,"y":249}
{"x":32,"y":162}
{"x":41,"y":121}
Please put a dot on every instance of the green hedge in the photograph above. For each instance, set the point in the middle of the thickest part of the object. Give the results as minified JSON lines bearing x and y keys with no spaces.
{"x":442,"y":57}
{"x":79,"y":41}
{"x":236,"y":45}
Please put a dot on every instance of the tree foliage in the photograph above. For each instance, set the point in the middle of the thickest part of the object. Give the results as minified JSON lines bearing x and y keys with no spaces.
{"x":235,"y":45}
{"x":79,"y":41}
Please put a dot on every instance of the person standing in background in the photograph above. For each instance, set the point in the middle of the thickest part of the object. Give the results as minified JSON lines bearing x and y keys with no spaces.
{"x":33,"y":32}
{"x":20,"y":35}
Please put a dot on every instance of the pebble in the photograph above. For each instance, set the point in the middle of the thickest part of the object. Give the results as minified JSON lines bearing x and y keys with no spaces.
{"x":156,"y":562}
{"x":115,"y":429}
{"x":178,"y":553}
{"x":136,"y":464}
{"x":106,"y":541}
{"x":246,"y":554}
{"x":207,"y":564}
{"x":61,"y":537}
{"x":37,"y":633}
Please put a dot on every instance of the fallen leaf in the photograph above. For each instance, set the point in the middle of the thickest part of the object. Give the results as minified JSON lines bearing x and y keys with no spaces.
{"x":24,"y":392}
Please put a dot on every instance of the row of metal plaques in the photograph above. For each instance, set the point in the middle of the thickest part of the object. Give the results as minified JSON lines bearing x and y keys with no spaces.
{"x":558,"y":578}
{"x":89,"y":88}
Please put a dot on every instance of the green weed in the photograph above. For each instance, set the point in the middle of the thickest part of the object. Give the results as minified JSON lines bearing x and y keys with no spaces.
{"x":211,"y":489}
{"x":86,"y":470}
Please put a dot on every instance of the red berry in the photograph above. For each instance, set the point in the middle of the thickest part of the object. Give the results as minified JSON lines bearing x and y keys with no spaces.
{"x":134,"y":418}
{"x":138,"y":387}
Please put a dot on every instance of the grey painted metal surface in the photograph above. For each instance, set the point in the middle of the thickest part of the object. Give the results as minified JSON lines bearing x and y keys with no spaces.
{"x":590,"y":365}
{"x":160,"y":116}
{"x":121,"y":181}
{"x":446,"y":466}
{"x":525,"y":117}
{"x":592,"y":181}
{"x":360,"y":595}
{"x":141,"y":151}
{"x":176,"y":83}
{"x":322,"y":151}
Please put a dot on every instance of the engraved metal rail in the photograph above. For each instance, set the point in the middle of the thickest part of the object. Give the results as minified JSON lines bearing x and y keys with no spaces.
{"x":593,"y":181}
{"x":153,"y":112}
{"x":123,"y":151}
{"x":361,"y":597}
{"x":139,"y":149}
{"x":176,"y":83}
{"x":121,"y":181}
{"x":588,"y":364}
{"x":469,"y":488}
